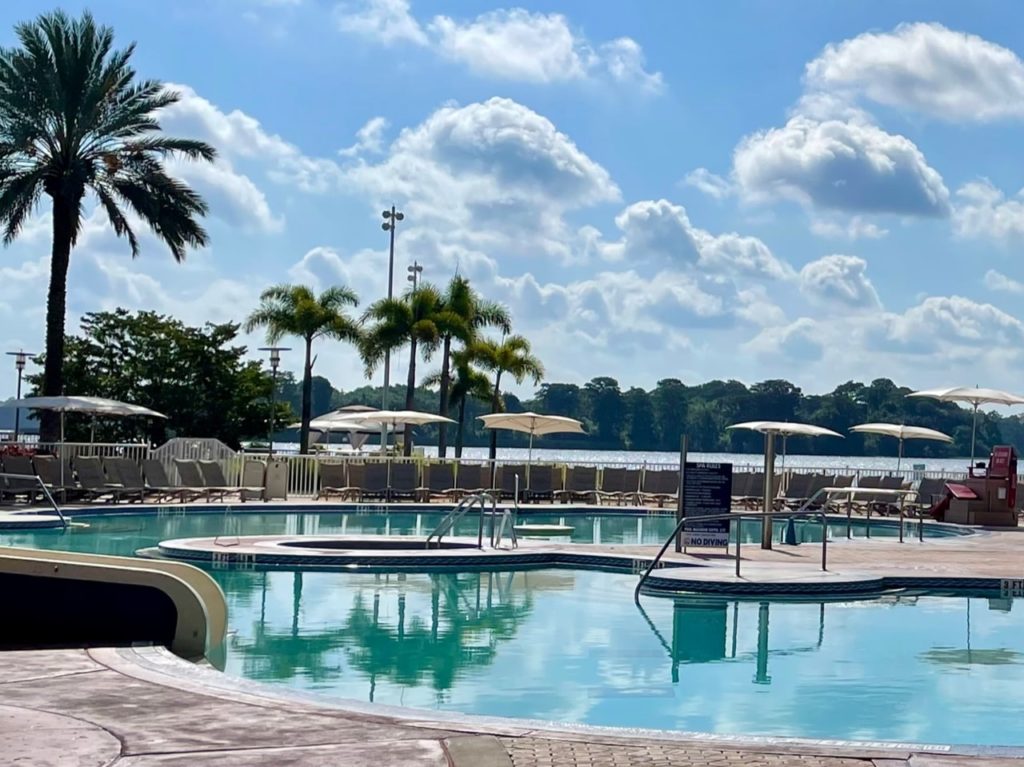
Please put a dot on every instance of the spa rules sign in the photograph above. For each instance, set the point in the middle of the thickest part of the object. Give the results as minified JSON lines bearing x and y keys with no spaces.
{"x":707,"y":492}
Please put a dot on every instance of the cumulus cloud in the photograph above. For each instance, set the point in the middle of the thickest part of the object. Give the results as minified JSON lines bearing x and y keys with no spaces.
{"x":709,"y":183}
{"x":983,"y":211}
{"x":838,"y":279}
{"x":846,"y":166}
{"x":957,"y":320}
{"x":369,"y":138}
{"x":928,"y":68}
{"x":232,"y":196}
{"x":509,"y":44}
{"x":1000,"y":282}
{"x":853,"y":228}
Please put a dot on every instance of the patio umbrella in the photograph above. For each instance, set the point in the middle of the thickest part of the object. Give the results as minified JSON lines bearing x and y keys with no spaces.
{"x":392,"y":418}
{"x":976,"y":397}
{"x":341,"y":420}
{"x":770,"y":429}
{"x":534,"y":424}
{"x":901,"y":433}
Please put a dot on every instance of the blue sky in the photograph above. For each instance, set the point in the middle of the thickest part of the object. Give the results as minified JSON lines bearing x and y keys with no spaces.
{"x":816,"y":191}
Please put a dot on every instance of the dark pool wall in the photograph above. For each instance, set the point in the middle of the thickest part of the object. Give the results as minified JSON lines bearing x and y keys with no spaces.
{"x":60,"y":613}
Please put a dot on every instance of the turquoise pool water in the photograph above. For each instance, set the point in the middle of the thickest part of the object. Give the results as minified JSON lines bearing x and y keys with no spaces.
{"x":570,"y":646}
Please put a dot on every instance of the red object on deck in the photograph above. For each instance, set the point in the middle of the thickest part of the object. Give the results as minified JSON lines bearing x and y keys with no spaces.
{"x":961,"y":491}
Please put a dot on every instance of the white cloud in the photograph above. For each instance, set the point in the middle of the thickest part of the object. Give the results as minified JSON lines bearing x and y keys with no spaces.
{"x":369,"y":138}
{"x":848,"y":166}
{"x":1000,"y":282}
{"x":956,"y":320}
{"x":232,"y":197}
{"x":925,"y":67}
{"x":510,"y":44}
{"x":838,"y":279}
{"x":238,"y":136}
{"x":983,"y":211}
{"x":853,"y":228}
{"x":387,"y":21}
{"x":709,"y":183}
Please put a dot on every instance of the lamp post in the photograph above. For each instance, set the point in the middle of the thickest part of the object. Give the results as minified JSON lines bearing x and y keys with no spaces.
{"x":20,"y":359}
{"x":275,"y":363}
{"x":415,"y":270}
{"x":391,"y":219}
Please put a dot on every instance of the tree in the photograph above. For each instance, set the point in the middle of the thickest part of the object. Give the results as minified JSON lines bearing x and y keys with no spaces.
{"x":74,"y":119}
{"x":640,"y":432}
{"x":605,"y":410}
{"x":468,"y":384}
{"x":412,"y":319}
{"x":669,"y":400}
{"x":510,"y":355}
{"x":193,"y":375}
{"x":294,"y":310}
{"x":560,"y":399}
{"x":464,"y":314}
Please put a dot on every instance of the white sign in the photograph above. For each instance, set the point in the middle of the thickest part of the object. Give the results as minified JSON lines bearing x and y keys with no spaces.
{"x":708,"y":539}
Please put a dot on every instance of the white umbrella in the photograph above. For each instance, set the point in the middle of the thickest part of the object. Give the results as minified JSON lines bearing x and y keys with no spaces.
{"x":770,"y":429}
{"x":973,"y":395}
{"x":393,"y":418}
{"x":342,"y":421}
{"x":901,"y":433}
{"x":534,"y":424}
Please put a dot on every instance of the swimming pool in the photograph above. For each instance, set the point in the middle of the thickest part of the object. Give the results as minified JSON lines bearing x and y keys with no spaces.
{"x":570,"y":646}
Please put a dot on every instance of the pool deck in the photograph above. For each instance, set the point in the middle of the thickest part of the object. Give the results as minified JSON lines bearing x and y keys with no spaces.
{"x":142,"y":707}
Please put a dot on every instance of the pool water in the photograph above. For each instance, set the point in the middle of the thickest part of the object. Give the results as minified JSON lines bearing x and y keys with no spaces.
{"x":571,"y":646}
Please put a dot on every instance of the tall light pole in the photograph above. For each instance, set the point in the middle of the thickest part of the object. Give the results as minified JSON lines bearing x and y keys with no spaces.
{"x":391,"y":219}
{"x":20,"y":359}
{"x":415,"y":270}
{"x":275,"y":363}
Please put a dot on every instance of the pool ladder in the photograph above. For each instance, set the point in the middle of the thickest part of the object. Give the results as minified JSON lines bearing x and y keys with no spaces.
{"x":463,"y":507}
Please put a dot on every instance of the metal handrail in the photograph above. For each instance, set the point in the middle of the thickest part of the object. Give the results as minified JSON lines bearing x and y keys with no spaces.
{"x":460,"y":510}
{"x":44,"y":489}
{"x":739,"y":536}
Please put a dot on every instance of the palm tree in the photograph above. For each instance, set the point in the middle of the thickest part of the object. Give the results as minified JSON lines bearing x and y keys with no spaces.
{"x":294,"y":310}
{"x":510,"y":355}
{"x":469,"y":383}
{"x":466,"y":313}
{"x":75,"y":119}
{"x":413,"y":319}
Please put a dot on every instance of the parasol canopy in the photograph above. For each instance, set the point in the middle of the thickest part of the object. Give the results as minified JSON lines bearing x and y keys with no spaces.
{"x":974,"y":396}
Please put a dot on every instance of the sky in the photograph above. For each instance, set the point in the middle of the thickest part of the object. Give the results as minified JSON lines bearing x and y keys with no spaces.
{"x":817,"y":191}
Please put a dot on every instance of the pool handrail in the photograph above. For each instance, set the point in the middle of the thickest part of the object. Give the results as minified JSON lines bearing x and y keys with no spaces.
{"x":852,"y":491}
{"x":45,"y":490}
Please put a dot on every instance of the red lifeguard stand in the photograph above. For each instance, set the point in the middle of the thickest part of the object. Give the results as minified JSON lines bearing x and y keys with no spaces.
{"x":987,"y":497}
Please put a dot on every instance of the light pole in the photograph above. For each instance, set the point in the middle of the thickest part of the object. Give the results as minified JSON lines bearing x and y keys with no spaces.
{"x":391,"y":219}
{"x":20,"y":359}
{"x":275,"y":363}
{"x":415,"y":270}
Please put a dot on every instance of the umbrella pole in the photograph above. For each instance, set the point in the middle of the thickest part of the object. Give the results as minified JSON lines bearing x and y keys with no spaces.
{"x":769,"y":484}
{"x":529,"y":460}
{"x":60,"y":453}
{"x":974,"y":432}
{"x":899,"y":456}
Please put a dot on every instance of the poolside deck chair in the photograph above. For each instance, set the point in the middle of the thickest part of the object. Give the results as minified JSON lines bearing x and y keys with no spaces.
{"x":403,"y":482}
{"x":798,"y":490}
{"x":740,"y":487}
{"x":48,"y":469}
{"x":542,"y":484}
{"x":659,"y":486}
{"x":213,"y":477}
{"x":192,"y":478}
{"x":439,"y":482}
{"x":889,"y":504}
{"x":334,"y":480}
{"x":374,"y":482}
{"x":930,"y":491}
{"x":580,"y":485}
{"x":837,"y":503}
{"x":96,"y":484}
{"x":505,"y":481}
{"x":473,"y":478}
{"x":753,"y":495}
{"x":619,"y":486}
{"x":254,"y":481}
{"x":861,"y":501}
{"x":155,"y":476}
{"x":20,"y":465}
{"x":127,"y":473}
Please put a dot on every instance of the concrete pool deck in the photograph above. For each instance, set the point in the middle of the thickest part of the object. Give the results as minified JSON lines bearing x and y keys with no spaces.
{"x":142,"y":707}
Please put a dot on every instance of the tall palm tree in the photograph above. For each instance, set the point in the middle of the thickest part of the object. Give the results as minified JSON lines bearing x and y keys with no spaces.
{"x":466,"y":314}
{"x":75,"y":119}
{"x":468,"y":383}
{"x":509,"y":355}
{"x":413,"y":319}
{"x":295,"y":310}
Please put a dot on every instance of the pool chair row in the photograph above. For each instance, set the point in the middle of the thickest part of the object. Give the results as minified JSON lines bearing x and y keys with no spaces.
{"x":447,"y":481}
{"x":798,"y":489}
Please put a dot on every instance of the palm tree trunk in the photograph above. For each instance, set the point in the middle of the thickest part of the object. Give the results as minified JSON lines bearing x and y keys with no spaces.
{"x":442,"y":433}
{"x":461,"y":428}
{"x":307,"y":398}
{"x":410,"y":396}
{"x":495,"y":407}
{"x":56,"y":308}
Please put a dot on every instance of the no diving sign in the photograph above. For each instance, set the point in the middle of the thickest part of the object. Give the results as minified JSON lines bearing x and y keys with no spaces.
{"x":707,"y":492}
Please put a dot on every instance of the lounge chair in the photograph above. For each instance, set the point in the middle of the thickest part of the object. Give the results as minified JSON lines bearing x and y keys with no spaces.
{"x":192,"y":478}
{"x":48,"y":469}
{"x":127,"y":473}
{"x":254,"y":481}
{"x":659,"y":486}
{"x":22,"y":484}
{"x":334,"y":481}
{"x":505,"y":482}
{"x":837,"y":503}
{"x":96,"y":484}
{"x":439,"y":482}
{"x":889,"y":504}
{"x":542,"y":484}
{"x":473,"y":478}
{"x":374,"y":482}
{"x":155,"y":477}
{"x":753,"y":491}
{"x":403,"y":482}
{"x":619,"y":486}
{"x":740,"y":487}
{"x":213,"y":477}
{"x":580,"y":485}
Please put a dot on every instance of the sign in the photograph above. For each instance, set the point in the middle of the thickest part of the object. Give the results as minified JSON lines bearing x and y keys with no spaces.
{"x":707,"y":492}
